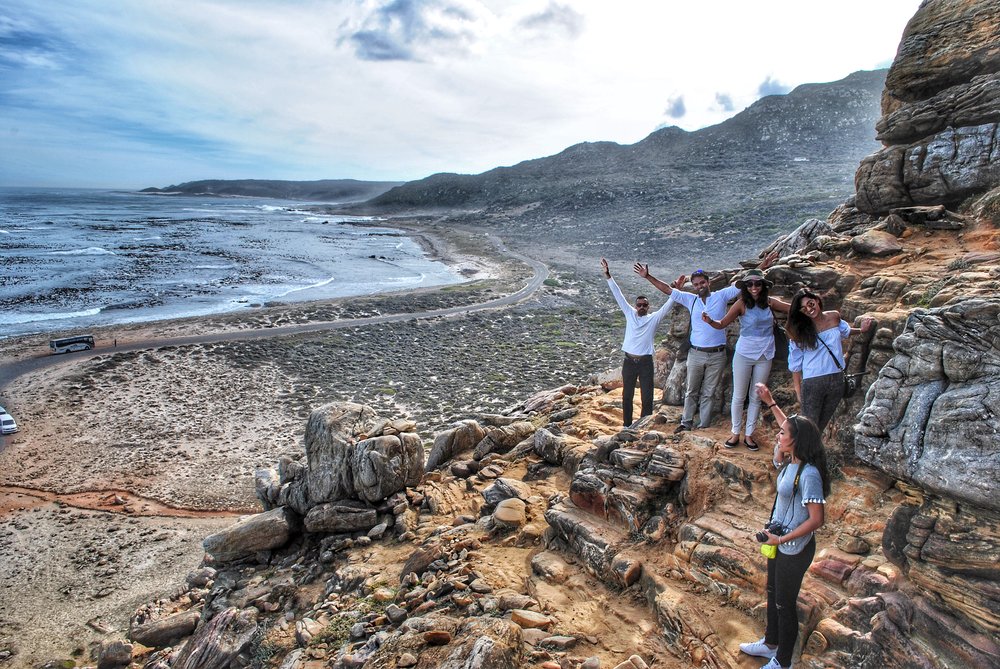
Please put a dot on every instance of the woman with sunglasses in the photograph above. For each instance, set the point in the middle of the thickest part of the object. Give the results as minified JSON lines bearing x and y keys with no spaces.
{"x":754,"y":352}
{"x":802,"y":488}
{"x":816,"y":355}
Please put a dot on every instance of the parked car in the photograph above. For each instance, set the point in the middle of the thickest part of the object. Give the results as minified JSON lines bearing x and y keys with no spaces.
{"x":7,"y":423}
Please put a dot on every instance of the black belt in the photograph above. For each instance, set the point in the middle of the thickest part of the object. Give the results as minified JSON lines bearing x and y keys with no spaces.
{"x":709,"y":349}
{"x":636,"y":358}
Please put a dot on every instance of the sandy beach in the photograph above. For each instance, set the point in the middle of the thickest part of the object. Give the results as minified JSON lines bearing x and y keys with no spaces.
{"x":126,"y":459}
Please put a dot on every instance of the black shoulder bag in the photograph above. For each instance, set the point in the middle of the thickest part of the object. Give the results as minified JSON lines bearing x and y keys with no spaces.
{"x":851,"y":381}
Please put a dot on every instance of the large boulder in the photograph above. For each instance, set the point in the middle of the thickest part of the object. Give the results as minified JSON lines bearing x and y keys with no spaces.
{"x":260,"y":532}
{"x":944,"y":44}
{"x":931,"y":416}
{"x":944,"y":168}
{"x":386,"y":464}
{"x":939,"y":111}
{"x":331,"y":434}
{"x":341,"y":516}
{"x":165,"y":631}
{"x":216,"y":644}
{"x":502,"y":439}
{"x":461,"y":437}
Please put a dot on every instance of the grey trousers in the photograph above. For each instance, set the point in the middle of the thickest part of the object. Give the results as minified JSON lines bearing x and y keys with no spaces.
{"x":747,"y":374}
{"x":704,"y":372}
{"x":820,"y":397}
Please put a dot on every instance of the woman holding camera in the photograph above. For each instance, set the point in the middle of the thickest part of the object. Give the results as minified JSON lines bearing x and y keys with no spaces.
{"x":802,"y":486}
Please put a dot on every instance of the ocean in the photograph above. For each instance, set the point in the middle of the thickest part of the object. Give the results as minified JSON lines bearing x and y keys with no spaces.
{"x":71,"y":259}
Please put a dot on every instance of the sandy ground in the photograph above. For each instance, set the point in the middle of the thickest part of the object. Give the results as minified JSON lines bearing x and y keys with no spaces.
{"x":127,"y":459}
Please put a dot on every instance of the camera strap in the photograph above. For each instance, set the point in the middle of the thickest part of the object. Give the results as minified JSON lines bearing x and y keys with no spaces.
{"x":795,"y":489}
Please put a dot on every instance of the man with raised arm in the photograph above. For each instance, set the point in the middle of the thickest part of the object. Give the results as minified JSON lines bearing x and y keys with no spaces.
{"x":640,"y":325}
{"x":707,"y":358}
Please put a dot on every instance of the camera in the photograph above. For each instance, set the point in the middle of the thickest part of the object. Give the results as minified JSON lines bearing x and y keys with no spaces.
{"x":774,"y":527}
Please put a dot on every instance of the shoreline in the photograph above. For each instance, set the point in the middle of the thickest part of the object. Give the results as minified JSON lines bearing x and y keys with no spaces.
{"x":440,"y":245}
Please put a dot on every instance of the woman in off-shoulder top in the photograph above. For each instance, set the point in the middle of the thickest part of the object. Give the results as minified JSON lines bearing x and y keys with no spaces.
{"x":816,"y":355}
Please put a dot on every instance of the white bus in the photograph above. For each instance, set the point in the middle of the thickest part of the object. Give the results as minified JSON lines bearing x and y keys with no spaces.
{"x":69,"y":344}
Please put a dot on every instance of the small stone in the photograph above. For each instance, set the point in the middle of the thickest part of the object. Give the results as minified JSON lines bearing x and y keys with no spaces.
{"x":406,"y":660}
{"x":395,"y":613}
{"x":437,"y":637}
{"x":591,"y":663}
{"x":531,"y":619}
{"x":534,"y":637}
{"x":510,"y":512}
{"x":383,"y":595}
{"x":559,"y":642}
{"x":481,"y":586}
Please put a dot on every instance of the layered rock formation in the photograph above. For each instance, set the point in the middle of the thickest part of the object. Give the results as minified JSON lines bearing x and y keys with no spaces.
{"x":940,"y":112}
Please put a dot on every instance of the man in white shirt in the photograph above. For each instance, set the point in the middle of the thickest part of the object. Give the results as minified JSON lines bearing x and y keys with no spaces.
{"x":640,"y":326}
{"x":707,"y":357}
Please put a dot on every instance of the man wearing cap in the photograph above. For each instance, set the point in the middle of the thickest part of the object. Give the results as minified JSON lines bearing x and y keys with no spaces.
{"x":640,"y":325}
{"x":706,"y":359}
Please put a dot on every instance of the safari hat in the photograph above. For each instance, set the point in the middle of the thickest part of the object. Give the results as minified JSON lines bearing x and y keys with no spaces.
{"x":753,"y":274}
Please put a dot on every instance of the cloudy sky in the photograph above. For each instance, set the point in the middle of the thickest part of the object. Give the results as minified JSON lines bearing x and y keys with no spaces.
{"x":133,"y":93}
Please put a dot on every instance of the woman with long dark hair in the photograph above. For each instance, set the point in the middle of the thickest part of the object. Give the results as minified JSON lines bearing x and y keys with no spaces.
{"x":754,"y":352}
{"x":816,"y":355}
{"x":802,"y":488}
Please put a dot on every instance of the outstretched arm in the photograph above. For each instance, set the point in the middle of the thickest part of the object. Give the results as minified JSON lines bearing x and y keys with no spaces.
{"x":779,"y":305}
{"x":768,"y":260}
{"x":643,"y":271}
{"x":865,"y":325}
{"x":616,"y":291}
{"x":734,"y":312}
{"x":764,"y":393}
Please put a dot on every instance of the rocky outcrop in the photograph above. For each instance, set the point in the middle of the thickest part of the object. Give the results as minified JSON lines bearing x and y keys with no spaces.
{"x":931,"y":418}
{"x":940,"y":112}
{"x":260,"y":532}
{"x":218,"y":643}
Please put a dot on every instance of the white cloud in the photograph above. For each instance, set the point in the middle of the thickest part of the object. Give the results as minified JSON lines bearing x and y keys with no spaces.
{"x":396,"y":89}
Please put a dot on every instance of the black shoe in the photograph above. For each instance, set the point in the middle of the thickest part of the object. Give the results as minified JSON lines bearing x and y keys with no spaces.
{"x":681,"y":428}
{"x":751,"y":444}
{"x":732,"y":442}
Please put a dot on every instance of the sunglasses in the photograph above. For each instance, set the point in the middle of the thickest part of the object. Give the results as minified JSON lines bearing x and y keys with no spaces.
{"x":754,"y":283}
{"x":642,"y":304}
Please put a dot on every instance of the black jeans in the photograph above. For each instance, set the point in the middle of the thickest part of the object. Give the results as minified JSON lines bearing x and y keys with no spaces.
{"x":784,"y":578}
{"x":820,"y":397}
{"x":637,"y":367}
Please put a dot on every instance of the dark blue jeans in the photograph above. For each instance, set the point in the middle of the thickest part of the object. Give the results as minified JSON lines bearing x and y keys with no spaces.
{"x":637,"y":367}
{"x":784,"y":579}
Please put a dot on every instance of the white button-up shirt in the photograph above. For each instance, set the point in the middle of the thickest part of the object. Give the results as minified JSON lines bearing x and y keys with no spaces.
{"x":639,"y":330}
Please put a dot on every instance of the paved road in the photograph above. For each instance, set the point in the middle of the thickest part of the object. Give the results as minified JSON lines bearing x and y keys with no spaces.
{"x":12,"y":370}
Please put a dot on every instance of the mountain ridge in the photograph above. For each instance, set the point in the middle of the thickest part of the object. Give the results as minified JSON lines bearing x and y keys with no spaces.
{"x":337,"y":190}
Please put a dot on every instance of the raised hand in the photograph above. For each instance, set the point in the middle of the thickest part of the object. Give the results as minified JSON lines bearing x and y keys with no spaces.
{"x":679,"y":283}
{"x":764,"y":393}
{"x":641,"y":270}
{"x":604,"y":267}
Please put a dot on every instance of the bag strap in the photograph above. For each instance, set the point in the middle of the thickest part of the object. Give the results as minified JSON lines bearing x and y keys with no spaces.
{"x":795,"y":489}
{"x":835,"y":360}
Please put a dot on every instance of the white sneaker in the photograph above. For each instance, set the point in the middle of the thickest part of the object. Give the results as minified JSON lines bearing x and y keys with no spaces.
{"x":760,"y":649}
{"x":773,"y":664}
